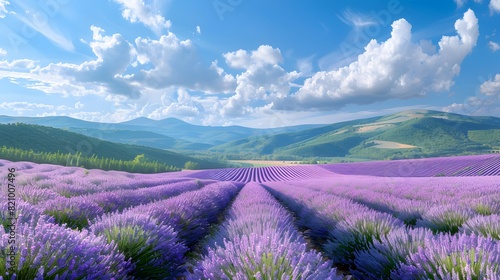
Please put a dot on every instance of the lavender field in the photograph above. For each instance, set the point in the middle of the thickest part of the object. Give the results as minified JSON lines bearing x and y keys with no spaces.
{"x":433,"y":218}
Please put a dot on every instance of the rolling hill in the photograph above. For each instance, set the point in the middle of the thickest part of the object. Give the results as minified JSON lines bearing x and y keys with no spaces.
{"x":47,"y":139}
{"x":170,"y":133}
{"x":408,"y":134}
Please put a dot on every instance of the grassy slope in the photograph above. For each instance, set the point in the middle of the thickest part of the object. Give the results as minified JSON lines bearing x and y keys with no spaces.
{"x":47,"y":139}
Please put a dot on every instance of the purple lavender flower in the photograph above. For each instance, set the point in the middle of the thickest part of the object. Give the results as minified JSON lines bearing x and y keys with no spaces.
{"x":74,"y":212}
{"x":384,"y":255}
{"x":50,"y":251}
{"x":259,"y":241}
{"x":445,"y":218}
{"x":487,"y":226}
{"x":154,"y":249}
{"x":460,"y":256}
{"x":357,"y":233}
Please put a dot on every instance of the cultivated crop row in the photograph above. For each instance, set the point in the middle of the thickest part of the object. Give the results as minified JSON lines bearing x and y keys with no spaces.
{"x":258,"y":240}
{"x":444,"y":242}
{"x":477,"y":165}
{"x":263,"y":174}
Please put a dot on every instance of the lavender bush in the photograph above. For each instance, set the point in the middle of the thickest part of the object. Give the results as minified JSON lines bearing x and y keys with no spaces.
{"x":384,"y":255}
{"x":50,"y":251}
{"x":74,"y":212}
{"x":445,"y":218}
{"x":259,"y":241}
{"x":487,"y":226}
{"x":155,"y":250}
{"x":358,"y":233}
{"x":460,"y":257}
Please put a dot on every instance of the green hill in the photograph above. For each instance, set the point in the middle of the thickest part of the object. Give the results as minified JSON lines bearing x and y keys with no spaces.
{"x":408,"y":134}
{"x":47,"y":139}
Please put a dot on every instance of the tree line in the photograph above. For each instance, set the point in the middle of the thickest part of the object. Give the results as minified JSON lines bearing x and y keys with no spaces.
{"x":139,"y":165}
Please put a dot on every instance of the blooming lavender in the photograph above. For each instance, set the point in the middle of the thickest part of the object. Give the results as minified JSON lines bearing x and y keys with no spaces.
{"x":155,"y":250}
{"x":259,"y":241}
{"x":357,"y":233}
{"x":445,"y":218}
{"x":118,"y":200}
{"x":487,"y":226}
{"x":75,"y":212}
{"x":49,"y":251}
{"x":384,"y":255}
{"x":460,"y":257}
{"x":191,"y":213}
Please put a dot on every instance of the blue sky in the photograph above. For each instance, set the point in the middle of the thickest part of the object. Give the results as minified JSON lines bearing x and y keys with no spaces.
{"x":253,"y":63}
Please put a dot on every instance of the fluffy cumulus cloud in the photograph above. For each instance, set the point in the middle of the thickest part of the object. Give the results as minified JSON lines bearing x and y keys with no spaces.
{"x":494,"y":46}
{"x":147,"y":14}
{"x":495,"y":6}
{"x":175,"y":63}
{"x":101,"y":76}
{"x":395,"y":69}
{"x":487,"y":102}
{"x":262,"y":82}
{"x":184,"y":106}
{"x":3,"y":9}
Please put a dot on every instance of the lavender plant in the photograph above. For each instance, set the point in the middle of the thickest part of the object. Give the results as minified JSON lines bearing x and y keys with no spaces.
{"x":358,"y":233}
{"x":258,"y":241}
{"x":154,"y":250}
{"x":487,"y":226}
{"x":74,"y":212}
{"x":445,"y":218}
{"x":49,"y":251}
{"x":460,"y":257}
{"x":384,"y":255}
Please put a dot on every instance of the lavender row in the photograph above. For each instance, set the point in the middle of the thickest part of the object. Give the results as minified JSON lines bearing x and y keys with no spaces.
{"x":443,"y":213}
{"x":340,"y":225}
{"x":48,"y":251}
{"x":260,"y":229}
{"x":156,"y":236}
{"x":76,"y":212}
{"x":74,"y":181}
{"x":478,"y":165}
{"x":419,"y":254}
{"x":263,"y":174}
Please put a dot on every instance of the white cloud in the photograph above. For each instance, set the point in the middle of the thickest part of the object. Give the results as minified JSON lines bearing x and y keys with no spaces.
{"x":460,"y":3}
{"x":491,"y":87}
{"x":494,"y":46}
{"x":22,"y":64}
{"x":139,"y":11}
{"x":3,"y":52}
{"x":394,"y":69}
{"x":42,"y":26}
{"x":176,"y":64}
{"x":262,"y":82}
{"x":494,"y":6}
{"x":356,"y":20}
{"x":198,"y":29}
{"x":487,"y":102}
{"x":22,"y":106}
{"x":79,"y":105}
{"x":101,"y":76}
{"x":3,"y":10}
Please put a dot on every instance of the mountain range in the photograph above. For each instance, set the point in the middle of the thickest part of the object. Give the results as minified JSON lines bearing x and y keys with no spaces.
{"x":407,"y":134}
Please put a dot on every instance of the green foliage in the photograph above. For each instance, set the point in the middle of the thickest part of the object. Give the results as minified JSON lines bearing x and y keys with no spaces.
{"x":191,"y":165}
{"x":93,"y":162}
{"x":41,"y":139}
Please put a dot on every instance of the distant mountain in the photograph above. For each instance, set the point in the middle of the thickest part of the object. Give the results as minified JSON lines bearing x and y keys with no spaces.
{"x":155,"y":133}
{"x":47,"y":139}
{"x":408,"y":134}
